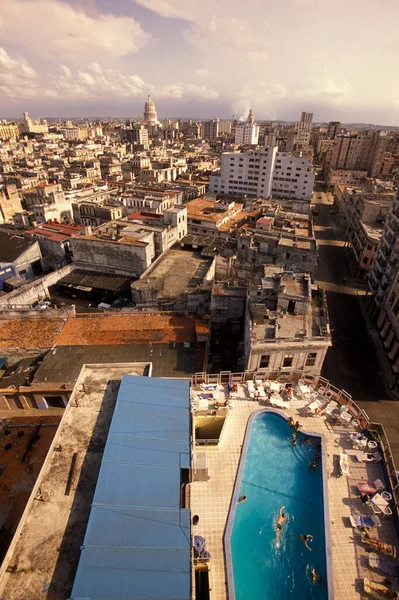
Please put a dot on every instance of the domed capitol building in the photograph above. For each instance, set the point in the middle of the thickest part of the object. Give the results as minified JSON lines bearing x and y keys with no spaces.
{"x":150,"y":113}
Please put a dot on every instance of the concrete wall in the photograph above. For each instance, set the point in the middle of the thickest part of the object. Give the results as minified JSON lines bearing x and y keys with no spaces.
{"x":113,"y":257}
{"x":37,"y":290}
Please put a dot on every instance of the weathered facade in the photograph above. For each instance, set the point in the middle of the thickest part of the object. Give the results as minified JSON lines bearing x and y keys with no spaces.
{"x":287,"y":323}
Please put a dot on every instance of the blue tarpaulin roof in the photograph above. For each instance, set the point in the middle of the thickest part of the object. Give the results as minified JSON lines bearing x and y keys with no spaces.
{"x":137,"y":543}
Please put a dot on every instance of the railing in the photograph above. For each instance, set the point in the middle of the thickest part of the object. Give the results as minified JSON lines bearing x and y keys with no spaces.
{"x":212,"y":442}
{"x":341,"y":396}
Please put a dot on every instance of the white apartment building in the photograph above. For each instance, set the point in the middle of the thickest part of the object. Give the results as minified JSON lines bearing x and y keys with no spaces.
{"x":264,"y":173}
{"x":247,"y":134}
{"x":245,"y":173}
{"x":293,"y":177}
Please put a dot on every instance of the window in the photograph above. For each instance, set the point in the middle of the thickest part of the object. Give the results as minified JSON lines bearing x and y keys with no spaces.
{"x":288,"y":255}
{"x":365,"y":260}
{"x":311,"y":359}
{"x":288,"y":359}
{"x":264,"y":361}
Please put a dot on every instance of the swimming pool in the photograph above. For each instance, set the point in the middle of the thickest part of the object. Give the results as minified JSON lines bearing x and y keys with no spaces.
{"x":274,"y":473}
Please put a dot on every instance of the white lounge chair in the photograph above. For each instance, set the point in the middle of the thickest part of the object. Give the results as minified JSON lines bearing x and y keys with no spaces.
{"x":331,"y":407}
{"x":279,"y":402}
{"x":251,"y":388}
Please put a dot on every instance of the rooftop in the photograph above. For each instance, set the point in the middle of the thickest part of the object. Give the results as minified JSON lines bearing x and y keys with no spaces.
{"x":28,"y":439}
{"x":204,"y":210}
{"x":89,"y":281}
{"x":24,"y":334}
{"x":138,"y":328}
{"x":138,"y":538}
{"x":177,"y":272}
{"x":210,"y":498}
{"x":12,"y":246}
{"x":56,"y":232}
{"x":45,"y":549}
{"x":63,"y":364}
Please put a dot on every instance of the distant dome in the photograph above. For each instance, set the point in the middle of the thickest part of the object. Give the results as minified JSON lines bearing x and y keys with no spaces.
{"x":150,"y":113}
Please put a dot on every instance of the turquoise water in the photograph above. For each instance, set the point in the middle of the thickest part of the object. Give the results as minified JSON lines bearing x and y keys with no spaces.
{"x":278,"y":474}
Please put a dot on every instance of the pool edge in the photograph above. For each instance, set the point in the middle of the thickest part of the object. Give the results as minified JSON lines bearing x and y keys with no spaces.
{"x":233,"y":506}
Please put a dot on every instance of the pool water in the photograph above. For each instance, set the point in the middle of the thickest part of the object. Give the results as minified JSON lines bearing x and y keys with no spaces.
{"x":276,"y":474}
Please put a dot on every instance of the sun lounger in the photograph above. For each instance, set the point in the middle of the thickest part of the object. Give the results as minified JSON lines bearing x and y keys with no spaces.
{"x":379,"y":546}
{"x":367,"y":456}
{"x":261,"y":391}
{"x":251,"y":388}
{"x":378,"y":590}
{"x":365,"y":521}
{"x":344,"y":464}
{"x":370,"y":487}
{"x":382,"y":565}
{"x":279,"y":402}
{"x":331,"y":407}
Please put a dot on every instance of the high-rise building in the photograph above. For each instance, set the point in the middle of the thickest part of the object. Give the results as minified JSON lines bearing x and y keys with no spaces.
{"x":150,"y":113}
{"x":362,"y":152}
{"x":306,"y":121}
{"x":210,"y":130}
{"x":334,"y":128}
{"x":293,"y":177}
{"x":247,"y":134}
{"x":224,"y":127}
{"x":245,"y":173}
{"x":384,"y":285}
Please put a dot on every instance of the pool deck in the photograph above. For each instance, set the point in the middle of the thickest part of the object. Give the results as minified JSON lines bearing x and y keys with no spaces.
{"x":210,"y":500}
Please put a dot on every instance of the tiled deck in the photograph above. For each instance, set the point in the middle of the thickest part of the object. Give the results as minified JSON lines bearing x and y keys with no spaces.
{"x":211,"y":499}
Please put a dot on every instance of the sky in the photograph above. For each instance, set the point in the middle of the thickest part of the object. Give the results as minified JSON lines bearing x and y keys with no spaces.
{"x":201,"y":58}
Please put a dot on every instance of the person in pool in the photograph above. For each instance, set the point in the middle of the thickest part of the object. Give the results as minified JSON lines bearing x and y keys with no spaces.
{"x":293,"y":442}
{"x":305,"y":539}
{"x":316,"y":577}
{"x":280,"y":521}
{"x":242,"y":498}
{"x":313,"y":465}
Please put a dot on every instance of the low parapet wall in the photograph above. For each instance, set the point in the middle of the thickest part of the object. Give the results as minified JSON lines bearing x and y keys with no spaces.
{"x":36,"y":290}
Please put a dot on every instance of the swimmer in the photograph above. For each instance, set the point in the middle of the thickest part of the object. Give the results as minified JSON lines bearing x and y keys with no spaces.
{"x":305,"y":539}
{"x":297,"y":426}
{"x":280,"y":521}
{"x":242,"y":498}
{"x":307,"y":442}
{"x":293,"y":439}
{"x":316,"y":577}
{"x":313,"y":465}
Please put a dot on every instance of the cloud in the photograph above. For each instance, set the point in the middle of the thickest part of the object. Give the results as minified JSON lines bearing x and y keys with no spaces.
{"x":202,"y":72}
{"x":326,"y":89}
{"x":181,"y":90}
{"x":58,"y":31}
{"x":19,"y":79}
{"x":172,"y":9}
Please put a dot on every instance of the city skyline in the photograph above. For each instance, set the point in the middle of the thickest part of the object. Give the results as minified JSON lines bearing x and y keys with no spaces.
{"x":102,"y":58}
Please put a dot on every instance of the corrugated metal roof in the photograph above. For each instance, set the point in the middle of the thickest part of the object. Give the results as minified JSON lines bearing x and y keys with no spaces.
{"x":137,"y":543}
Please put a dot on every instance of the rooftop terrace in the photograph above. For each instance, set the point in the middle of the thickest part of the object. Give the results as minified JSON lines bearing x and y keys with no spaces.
{"x":211,"y":497}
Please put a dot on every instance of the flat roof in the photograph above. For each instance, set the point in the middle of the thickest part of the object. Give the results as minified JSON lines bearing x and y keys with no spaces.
{"x":63,"y":363}
{"x":92,"y":280}
{"x":46,"y":546}
{"x":12,"y":245}
{"x":177,"y":272}
{"x":24,"y":334}
{"x":138,"y":538}
{"x":137,"y":328}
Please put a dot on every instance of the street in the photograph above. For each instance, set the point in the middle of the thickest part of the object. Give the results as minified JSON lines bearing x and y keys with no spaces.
{"x":351,"y":362}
